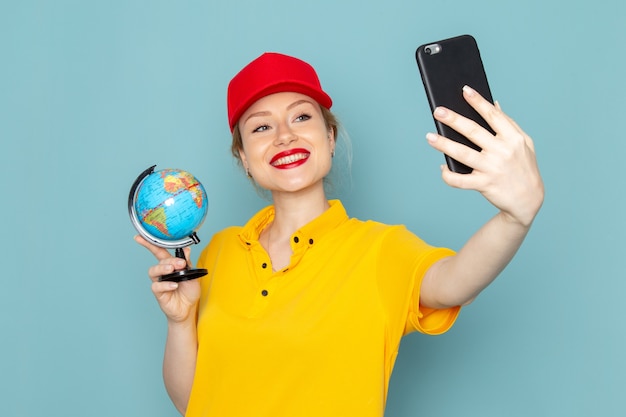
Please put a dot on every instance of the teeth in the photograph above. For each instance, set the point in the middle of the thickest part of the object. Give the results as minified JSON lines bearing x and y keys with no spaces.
{"x":290,"y":159}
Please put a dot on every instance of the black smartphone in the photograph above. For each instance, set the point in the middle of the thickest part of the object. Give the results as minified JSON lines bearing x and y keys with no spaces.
{"x":446,"y":66}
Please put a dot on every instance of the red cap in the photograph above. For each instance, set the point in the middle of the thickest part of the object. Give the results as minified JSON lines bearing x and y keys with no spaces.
{"x":268,"y":74}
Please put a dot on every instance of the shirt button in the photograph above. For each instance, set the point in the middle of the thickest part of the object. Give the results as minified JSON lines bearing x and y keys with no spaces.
{"x":310,"y":241}
{"x":264,"y":265}
{"x":264,"y":293}
{"x":295,"y":239}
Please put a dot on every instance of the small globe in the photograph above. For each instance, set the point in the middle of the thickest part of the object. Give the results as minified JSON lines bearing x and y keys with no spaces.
{"x":170,"y":205}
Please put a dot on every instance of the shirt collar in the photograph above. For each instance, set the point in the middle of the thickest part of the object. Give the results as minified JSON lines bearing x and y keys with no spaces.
{"x":306,"y":235}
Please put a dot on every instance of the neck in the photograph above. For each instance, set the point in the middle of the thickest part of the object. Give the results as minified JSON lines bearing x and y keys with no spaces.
{"x":294,"y":210}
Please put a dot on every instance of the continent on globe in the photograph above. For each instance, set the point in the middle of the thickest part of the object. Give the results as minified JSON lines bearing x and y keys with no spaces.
{"x":157,"y":219}
{"x":170,"y":204}
{"x":183,"y":181}
{"x":167,"y":207}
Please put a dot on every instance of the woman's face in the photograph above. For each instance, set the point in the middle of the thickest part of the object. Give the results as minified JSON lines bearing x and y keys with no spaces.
{"x":287,"y":146}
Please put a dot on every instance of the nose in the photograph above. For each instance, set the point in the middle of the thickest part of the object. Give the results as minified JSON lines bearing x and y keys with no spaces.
{"x":285,"y":135}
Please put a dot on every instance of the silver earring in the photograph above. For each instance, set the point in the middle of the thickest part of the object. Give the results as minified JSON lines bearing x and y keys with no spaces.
{"x":332,"y":153}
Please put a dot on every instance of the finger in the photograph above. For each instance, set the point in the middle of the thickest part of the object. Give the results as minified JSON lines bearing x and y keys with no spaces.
{"x":455,"y":150}
{"x":465,"y":126}
{"x":160,"y":288}
{"x":499,"y":107}
{"x":166,"y":266}
{"x":157,"y":271}
{"x":163,"y":292}
{"x":493,"y":115}
{"x":456,"y":180}
{"x":158,"y":252}
{"x":529,"y":141}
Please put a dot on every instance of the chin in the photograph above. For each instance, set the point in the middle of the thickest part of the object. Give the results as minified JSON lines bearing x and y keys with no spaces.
{"x":299,"y":186}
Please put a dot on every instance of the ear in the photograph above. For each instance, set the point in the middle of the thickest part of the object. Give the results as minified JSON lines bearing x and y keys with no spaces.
{"x":331,"y":138}
{"x":244,"y":161}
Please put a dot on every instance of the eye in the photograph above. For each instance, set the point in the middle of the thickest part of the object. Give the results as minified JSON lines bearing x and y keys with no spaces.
{"x":260,"y":128}
{"x":303,"y":117}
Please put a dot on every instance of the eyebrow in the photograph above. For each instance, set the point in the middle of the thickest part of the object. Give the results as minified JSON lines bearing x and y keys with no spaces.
{"x":267,"y":113}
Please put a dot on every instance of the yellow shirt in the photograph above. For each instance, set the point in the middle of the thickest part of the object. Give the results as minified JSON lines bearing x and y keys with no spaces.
{"x":318,"y":338}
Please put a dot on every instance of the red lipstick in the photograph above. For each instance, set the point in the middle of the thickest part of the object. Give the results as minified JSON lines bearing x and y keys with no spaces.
{"x":290,"y":158}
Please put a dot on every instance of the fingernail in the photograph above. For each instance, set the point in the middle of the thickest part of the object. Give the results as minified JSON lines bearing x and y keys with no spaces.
{"x":431,"y":137}
{"x":469,"y":90}
{"x":181,"y":262}
{"x":172,"y":285}
{"x":440,"y":111}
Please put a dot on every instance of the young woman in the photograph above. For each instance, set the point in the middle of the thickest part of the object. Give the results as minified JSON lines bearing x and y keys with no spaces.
{"x":303,"y":308}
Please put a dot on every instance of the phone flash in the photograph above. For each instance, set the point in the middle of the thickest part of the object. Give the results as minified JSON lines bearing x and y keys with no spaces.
{"x":432,"y":49}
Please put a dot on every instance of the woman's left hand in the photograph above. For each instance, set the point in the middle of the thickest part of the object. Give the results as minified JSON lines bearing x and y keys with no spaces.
{"x":505,"y":172}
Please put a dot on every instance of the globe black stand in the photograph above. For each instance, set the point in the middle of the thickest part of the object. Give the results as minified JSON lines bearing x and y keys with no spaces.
{"x":176,"y":276}
{"x":184,"y":274}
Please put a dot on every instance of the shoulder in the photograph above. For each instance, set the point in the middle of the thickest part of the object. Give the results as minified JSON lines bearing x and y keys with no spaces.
{"x":218,"y":240}
{"x":392,"y":244}
{"x":227,"y":232}
{"x":376,"y":231}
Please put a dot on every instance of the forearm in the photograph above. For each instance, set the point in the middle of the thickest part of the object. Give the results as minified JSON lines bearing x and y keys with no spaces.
{"x":179,"y":362}
{"x":457,"y":280}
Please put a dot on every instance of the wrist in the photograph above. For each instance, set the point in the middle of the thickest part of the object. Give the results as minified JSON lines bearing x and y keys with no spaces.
{"x":523,"y":222}
{"x":182,"y":322}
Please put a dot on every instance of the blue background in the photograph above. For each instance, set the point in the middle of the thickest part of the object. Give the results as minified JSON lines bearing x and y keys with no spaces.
{"x":94,"y":92}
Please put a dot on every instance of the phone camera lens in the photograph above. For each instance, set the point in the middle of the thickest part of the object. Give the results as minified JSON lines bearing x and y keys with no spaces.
{"x":428,"y":50}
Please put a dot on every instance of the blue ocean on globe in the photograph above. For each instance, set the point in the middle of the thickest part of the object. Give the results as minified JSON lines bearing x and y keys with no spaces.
{"x":171,"y":204}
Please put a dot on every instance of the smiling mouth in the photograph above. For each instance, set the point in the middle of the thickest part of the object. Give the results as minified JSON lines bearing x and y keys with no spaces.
{"x":289,"y":161}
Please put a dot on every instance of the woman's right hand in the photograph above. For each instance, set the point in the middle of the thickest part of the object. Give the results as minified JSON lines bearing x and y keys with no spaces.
{"x":178,"y":300}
